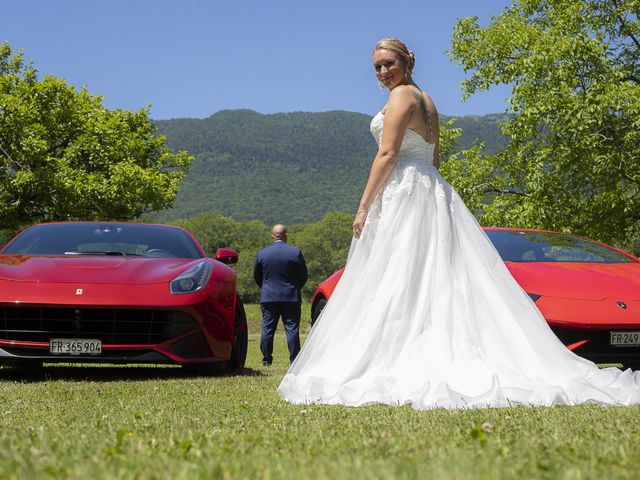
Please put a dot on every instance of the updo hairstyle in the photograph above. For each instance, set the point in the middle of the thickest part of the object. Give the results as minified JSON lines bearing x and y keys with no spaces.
{"x":406,"y":56}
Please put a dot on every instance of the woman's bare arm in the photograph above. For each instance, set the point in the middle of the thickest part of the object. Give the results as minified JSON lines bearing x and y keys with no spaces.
{"x":397,"y":116}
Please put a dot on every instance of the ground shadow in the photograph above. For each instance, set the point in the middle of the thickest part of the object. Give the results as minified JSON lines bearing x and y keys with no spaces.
{"x":110,"y":373}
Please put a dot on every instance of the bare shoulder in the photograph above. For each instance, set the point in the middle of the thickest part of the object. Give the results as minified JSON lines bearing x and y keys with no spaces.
{"x":413,"y":94}
{"x":403,"y":98}
{"x":405,"y":93}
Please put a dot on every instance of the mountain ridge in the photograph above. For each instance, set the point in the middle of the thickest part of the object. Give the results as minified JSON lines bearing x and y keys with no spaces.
{"x":284,"y":167}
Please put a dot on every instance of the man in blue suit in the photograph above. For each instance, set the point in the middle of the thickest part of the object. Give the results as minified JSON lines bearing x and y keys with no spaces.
{"x":280,"y":271}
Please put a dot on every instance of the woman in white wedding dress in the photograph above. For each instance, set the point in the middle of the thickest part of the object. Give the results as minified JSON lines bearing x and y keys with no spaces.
{"x":426,"y":312}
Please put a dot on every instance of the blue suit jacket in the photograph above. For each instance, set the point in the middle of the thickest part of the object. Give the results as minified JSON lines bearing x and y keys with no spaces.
{"x":280,"y":271}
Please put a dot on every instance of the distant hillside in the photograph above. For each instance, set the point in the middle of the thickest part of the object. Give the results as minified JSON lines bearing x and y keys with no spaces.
{"x":480,"y":127}
{"x":287,"y":167}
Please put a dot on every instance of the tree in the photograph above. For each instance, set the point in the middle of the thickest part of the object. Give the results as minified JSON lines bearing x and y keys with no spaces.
{"x":573,"y":160}
{"x":64,"y":156}
{"x":325,"y":245}
{"x":213,"y":231}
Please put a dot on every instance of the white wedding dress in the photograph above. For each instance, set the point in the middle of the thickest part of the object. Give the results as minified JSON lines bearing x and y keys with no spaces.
{"x":427,"y":314}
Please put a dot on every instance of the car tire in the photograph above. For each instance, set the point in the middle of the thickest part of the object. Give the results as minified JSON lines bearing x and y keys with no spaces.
{"x":317,"y":308}
{"x":236,"y":362}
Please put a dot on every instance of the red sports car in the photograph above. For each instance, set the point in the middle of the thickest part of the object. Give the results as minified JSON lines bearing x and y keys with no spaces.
{"x":588,"y":292}
{"x":118,"y":293}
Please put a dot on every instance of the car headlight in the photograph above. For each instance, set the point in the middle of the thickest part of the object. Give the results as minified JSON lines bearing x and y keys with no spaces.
{"x":192,"y":279}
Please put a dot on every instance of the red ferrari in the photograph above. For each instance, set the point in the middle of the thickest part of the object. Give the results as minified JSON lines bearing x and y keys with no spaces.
{"x":118,"y":293}
{"x":588,"y":292}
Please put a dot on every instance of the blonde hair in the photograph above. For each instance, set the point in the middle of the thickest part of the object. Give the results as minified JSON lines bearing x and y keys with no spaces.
{"x":406,"y":56}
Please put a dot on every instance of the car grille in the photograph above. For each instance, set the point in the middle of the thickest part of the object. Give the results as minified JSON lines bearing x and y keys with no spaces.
{"x":112,"y":326}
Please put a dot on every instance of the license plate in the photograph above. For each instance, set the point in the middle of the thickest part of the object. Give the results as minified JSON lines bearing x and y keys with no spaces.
{"x":74,"y":346}
{"x":624,"y":339}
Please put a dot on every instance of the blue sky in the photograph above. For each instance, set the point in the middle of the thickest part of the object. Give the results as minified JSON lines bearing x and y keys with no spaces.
{"x":192,"y":58}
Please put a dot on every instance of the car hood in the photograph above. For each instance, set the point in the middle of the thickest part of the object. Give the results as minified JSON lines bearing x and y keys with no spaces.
{"x":90,"y":269}
{"x":587,"y":281}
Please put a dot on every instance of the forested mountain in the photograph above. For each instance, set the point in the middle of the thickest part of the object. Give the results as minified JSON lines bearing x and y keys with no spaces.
{"x":287,"y":167}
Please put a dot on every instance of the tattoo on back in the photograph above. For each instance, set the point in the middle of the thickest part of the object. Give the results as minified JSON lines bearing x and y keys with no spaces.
{"x":423,"y":109}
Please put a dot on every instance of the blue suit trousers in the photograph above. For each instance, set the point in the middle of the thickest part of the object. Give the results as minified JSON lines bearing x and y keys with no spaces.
{"x":271,"y":313}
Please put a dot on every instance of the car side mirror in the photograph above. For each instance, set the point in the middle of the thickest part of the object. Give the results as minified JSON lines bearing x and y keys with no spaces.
{"x":226,"y":255}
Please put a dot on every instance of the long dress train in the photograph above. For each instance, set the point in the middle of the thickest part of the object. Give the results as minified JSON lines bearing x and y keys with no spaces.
{"x":426,"y":313}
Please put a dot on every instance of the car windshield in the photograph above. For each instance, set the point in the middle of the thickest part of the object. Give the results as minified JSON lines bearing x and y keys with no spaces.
{"x":526,"y":246}
{"x":104,"y":239}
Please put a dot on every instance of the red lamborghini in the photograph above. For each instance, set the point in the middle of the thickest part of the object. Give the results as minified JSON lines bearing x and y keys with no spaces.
{"x":588,"y":292}
{"x":118,"y":293}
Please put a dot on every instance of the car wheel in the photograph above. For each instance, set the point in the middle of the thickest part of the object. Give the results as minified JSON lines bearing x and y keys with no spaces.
{"x":317,"y":308}
{"x":236,"y":362}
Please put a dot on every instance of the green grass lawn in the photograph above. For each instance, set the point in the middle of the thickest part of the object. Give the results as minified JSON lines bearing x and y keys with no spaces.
{"x":157,"y":422}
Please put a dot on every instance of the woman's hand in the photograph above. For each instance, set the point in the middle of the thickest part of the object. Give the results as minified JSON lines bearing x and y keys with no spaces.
{"x":358,"y":223}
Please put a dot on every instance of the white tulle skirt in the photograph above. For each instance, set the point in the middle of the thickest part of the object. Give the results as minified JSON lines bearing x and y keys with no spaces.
{"x":427,"y":314}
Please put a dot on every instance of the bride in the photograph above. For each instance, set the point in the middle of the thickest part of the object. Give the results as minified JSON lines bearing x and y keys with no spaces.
{"x":426,"y":312}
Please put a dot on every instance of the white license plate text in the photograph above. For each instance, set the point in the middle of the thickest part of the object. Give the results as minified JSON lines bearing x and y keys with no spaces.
{"x":75,"y":346}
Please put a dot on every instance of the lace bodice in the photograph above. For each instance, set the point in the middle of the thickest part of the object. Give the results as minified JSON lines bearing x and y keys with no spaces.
{"x":414,"y":148}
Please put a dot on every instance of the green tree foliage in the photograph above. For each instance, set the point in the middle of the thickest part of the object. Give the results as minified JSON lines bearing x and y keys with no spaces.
{"x":214,"y":231}
{"x":325,"y":245}
{"x":573,"y":160}
{"x":65,"y":156}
